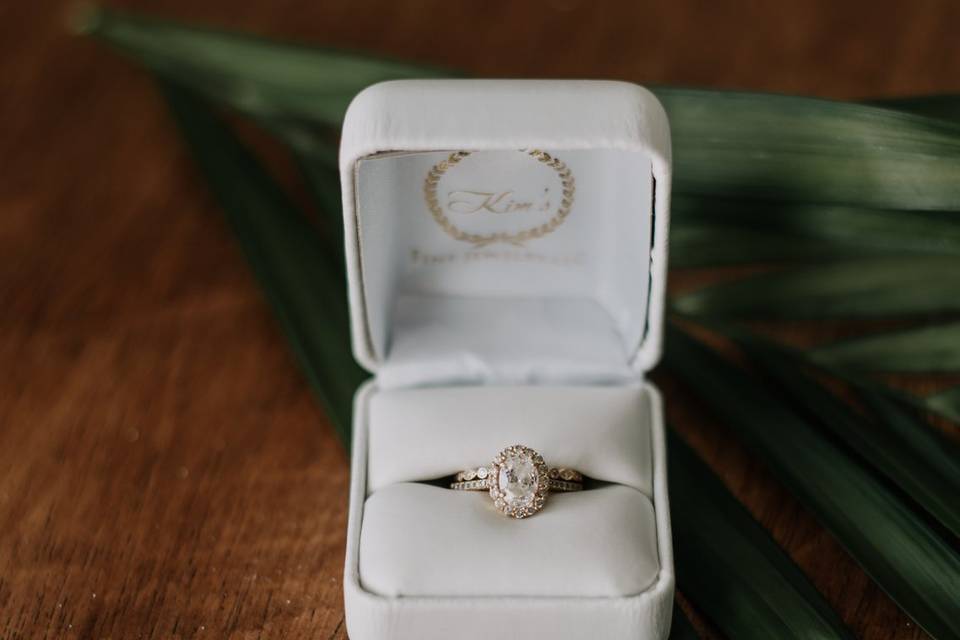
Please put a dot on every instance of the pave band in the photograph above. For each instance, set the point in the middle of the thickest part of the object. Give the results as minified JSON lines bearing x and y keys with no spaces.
{"x":518,"y":481}
{"x":483,"y":485}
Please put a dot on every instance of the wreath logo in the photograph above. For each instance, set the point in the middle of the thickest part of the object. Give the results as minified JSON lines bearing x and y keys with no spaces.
{"x":470,"y":202}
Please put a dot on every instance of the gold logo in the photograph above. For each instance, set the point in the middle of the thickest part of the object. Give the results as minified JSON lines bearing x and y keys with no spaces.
{"x":501,"y":204}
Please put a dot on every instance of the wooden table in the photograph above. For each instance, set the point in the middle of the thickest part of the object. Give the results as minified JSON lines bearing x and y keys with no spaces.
{"x":164,"y":469}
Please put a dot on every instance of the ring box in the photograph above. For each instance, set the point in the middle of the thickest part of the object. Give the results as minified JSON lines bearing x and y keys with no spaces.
{"x":506,"y":246}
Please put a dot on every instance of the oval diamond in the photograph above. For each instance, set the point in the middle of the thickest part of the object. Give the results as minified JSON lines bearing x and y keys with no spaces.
{"x":519,"y":481}
{"x":518,"y":478}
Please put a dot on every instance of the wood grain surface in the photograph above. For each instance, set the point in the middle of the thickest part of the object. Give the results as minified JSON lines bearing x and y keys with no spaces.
{"x":164,"y":469}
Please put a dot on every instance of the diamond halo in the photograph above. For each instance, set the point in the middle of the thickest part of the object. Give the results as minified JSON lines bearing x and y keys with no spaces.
{"x":519,"y":481}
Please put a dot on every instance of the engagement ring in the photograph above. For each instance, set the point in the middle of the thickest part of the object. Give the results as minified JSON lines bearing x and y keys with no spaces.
{"x":518,"y":480}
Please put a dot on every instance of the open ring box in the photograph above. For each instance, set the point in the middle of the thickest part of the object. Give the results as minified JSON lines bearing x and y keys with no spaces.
{"x":506,"y":246}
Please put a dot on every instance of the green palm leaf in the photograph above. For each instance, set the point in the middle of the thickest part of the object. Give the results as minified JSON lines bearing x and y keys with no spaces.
{"x":860,"y":288}
{"x":834,"y":228}
{"x":923,"y":349}
{"x":284,"y":252}
{"x":944,"y":107}
{"x":730,"y":566}
{"x":909,"y":560}
{"x":324,"y":185}
{"x":806,"y":150}
{"x":282,"y":82}
{"x":904,"y":450}
{"x":946,"y":403}
{"x":738,"y":145}
{"x":705,"y":244}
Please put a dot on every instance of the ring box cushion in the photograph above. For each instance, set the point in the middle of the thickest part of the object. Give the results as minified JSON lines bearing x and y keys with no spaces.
{"x":506,"y":255}
{"x":600,"y":543}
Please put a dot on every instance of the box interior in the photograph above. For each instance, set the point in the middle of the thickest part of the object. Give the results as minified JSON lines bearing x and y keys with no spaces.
{"x":423,"y":540}
{"x":509,"y":266}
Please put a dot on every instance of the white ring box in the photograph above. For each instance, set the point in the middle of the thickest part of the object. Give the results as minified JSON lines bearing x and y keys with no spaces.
{"x":506,"y":246}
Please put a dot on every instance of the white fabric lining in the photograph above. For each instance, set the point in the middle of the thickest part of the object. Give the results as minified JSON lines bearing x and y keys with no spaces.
{"x":422,"y":540}
{"x":588,"y":261}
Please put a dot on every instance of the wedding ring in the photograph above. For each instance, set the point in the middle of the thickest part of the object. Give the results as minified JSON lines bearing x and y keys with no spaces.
{"x":518,"y":481}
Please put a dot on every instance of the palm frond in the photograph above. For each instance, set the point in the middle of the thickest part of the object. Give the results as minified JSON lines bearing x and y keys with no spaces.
{"x":726,"y":144}
{"x":287,"y":83}
{"x":283,"y":250}
{"x":910,"y":561}
{"x":946,"y":403}
{"x":920,"y":349}
{"x":881,"y":286}
{"x":832,"y":228}
{"x":726,"y":563}
{"x":887,"y":439}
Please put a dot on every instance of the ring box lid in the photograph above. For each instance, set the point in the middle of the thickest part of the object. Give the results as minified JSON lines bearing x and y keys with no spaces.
{"x":506,"y":231}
